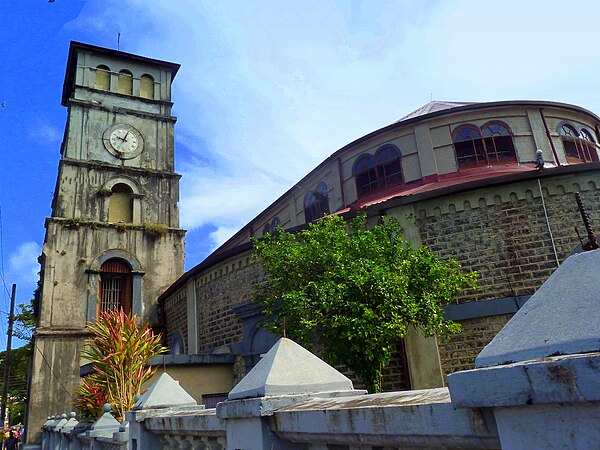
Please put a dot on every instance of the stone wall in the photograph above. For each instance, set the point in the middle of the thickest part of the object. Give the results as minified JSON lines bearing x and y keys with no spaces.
{"x":499,"y":231}
{"x":176,"y":319}
{"x":503,"y":235}
{"x":459,"y":351}
{"x":217,"y":290}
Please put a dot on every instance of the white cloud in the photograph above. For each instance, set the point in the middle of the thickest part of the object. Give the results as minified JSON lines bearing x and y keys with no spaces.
{"x":221,"y":235}
{"x":225,"y":201}
{"x":23,"y":266}
{"x":45,"y":132}
{"x":268,"y":89}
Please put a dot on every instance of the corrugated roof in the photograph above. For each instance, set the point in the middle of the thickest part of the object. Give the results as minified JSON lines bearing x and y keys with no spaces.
{"x":433,"y":106}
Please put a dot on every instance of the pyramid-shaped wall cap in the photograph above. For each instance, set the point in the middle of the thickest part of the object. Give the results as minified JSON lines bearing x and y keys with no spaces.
{"x":561,"y":318}
{"x":164,"y":392}
{"x":289,"y":369}
{"x":105,"y":421}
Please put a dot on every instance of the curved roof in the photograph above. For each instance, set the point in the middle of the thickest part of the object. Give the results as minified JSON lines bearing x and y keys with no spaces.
{"x":431,"y":107}
{"x":422,"y":189}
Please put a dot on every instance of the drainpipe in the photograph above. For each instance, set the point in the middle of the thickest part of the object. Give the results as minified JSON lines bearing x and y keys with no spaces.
{"x":549,"y":138}
{"x":548,"y":223}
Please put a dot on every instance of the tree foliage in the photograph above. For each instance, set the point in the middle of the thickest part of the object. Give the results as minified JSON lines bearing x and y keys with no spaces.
{"x":119,"y":350}
{"x":17,"y":381}
{"x":25,"y":320}
{"x":355,"y":290}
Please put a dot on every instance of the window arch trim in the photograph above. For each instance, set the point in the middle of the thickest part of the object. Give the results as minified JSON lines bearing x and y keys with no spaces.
{"x":466,"y":132}
{"x":125,"y":82}
{"x":567,"y":129}
{"x":387,"y":152}
{"x":587,"y":135}
{"x":576,"y":142}
{"x":147,"y":86}
{"x":102,"y":74}
{"x":492,"y":143}
{"x":363,"y":163}
{"x":495,"y":128}
{"x":94,"y":271}
{"x":137,"y":197}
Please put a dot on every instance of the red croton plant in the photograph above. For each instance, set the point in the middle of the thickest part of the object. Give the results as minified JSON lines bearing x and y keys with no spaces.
{"x":119,"y":349}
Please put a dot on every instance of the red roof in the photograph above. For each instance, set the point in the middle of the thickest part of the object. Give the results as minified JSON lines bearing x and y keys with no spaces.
{"x":435,"y":182}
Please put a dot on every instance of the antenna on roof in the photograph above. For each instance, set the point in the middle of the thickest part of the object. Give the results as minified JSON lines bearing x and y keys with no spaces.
{"x":118,"y":41}
{"x":431,"y":96}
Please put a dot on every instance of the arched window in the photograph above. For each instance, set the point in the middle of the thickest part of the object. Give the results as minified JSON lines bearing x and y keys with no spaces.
{"x":373,"y":174}
{"x":365,"y":175}
{"x":115,"y":288}
{"x":177,"y":344}
{"x":498,"y":142}
{"x":587,"y":135}
{"x":469,"y":146}
{"x":146,"y":86}
{"x":388,"y":166}
{"x":316,"y":203}
{"x":120,"y":208}
{"x":102,"y":78}
{"x":275,"y":223}
{"x":125,"y":82}
{"x":266,"y":229}
{"x":579,"y":146}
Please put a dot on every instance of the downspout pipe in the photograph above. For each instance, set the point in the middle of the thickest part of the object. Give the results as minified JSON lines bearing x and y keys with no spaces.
{"x":550,"y":138}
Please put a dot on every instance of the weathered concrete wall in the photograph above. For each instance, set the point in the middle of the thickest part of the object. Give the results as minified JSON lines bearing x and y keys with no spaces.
{"x":81,"y":188}
{"x":54,"y":376}
{"x":70,"y":253}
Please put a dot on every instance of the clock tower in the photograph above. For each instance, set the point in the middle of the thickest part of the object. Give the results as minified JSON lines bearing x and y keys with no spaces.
{"x":113,"y":239}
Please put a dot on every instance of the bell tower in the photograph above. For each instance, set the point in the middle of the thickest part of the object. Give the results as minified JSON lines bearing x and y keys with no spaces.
{"x":113,"y":239}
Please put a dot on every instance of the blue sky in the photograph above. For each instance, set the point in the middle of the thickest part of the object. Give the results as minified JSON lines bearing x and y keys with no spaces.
{"x":268,"y":89}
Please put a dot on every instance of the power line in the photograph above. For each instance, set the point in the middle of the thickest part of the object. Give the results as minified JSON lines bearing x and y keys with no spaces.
{"x":53,"y":374}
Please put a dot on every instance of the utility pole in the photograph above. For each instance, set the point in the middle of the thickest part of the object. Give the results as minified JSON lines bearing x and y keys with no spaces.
{"x":11,"y":318}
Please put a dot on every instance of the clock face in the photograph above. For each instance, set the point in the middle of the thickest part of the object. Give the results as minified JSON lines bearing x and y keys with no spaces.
{"x":123,"y":141}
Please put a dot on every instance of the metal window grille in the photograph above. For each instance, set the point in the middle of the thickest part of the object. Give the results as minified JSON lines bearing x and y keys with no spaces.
{"x":111,"y":292}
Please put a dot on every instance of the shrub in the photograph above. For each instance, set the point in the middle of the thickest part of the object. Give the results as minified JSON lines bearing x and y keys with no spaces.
{"x":119,"y":350}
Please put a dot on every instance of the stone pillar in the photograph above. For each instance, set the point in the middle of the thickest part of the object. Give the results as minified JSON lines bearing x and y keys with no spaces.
{"x":164,"y":395}
{"x":541,"y":374}
{"x":65,"y":432}
{"x":104,"y":427}
{"x":286,"y":375}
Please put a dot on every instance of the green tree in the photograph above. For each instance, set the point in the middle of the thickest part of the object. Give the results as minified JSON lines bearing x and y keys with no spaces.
{"x":17,"y":381}
{"x":355,"y":290}
{"x":25,"y":320}
{"x":119,"y":350}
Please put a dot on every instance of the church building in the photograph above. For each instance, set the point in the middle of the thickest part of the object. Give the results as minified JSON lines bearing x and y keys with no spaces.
{"x":464,"y":179}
